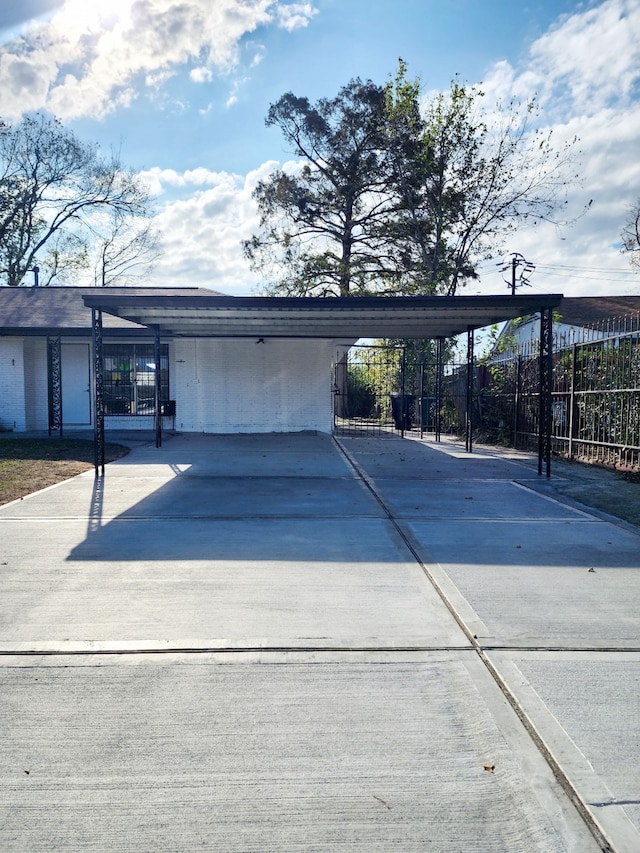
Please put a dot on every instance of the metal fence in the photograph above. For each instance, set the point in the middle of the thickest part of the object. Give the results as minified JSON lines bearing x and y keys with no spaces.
{"x":595,"y":393}
{"x":368,"y":380}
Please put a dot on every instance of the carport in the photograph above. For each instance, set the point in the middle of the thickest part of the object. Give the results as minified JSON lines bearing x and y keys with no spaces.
{"x":420,"y":317}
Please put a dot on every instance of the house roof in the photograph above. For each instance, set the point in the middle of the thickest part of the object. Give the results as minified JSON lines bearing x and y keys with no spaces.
{"x":187,"y":315}
{"x":591,"y":311}
{"x":55,"y":310}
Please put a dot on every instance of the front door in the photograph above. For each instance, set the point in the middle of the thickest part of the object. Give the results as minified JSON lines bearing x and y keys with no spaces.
{"x":76,"y":397}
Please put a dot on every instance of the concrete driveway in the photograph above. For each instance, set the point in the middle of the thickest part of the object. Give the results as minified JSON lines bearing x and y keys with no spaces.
{"x":289,"y":643}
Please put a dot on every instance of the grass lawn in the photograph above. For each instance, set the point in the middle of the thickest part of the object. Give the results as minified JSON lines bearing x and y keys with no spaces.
{"x":29,"y":464}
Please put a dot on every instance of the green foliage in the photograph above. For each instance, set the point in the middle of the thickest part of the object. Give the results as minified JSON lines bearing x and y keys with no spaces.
{"x":469,"y":177}
{"x":373,"y":374}
{"x":361,"y":393}
{"x":324,"y":227}
{"x":395,"y":196}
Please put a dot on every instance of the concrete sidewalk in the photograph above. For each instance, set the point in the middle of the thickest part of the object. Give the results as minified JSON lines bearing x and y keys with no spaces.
{"x":283,"y":643}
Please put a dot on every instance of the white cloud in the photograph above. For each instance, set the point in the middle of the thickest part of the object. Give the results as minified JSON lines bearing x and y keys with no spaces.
{"x":201,"y":75}
{"x":293,"y":16}
{"x":259,"y":53}
{"x":158,"y":180}
{"x":203,"y":230}
{"x":586,"y":62}
{"x":89,"y":59}
{"x":586,"y":74}
{"x":595,"y":55}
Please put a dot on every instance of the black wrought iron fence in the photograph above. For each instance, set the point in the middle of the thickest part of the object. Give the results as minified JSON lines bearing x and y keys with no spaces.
{"x":595,"y":394}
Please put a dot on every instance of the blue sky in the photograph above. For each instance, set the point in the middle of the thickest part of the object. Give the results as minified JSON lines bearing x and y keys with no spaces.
{"x":182,"y":88}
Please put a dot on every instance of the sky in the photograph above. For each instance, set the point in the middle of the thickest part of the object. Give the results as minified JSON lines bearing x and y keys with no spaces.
{"x":181,"y":88}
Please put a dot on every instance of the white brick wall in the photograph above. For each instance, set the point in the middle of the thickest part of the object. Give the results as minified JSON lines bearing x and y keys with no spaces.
{"x":228,"y":386}
{"x":12,"y":400}
{"x":220,"y":386}
{"x":35,"y":384}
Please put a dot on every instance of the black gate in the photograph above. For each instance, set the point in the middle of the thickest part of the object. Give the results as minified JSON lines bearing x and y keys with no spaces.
{"x":369,"y":391}
{"x":390,"y":388}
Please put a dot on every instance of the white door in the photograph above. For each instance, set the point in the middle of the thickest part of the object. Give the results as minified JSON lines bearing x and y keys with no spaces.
{"x":76,"y":397}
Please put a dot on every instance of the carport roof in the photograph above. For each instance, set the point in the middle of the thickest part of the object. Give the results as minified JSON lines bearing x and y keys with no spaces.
{"x":316,"y":317}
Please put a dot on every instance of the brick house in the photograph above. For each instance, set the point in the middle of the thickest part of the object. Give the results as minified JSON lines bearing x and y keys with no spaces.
{"x":214,"y":363}
{"x":222,"y":385}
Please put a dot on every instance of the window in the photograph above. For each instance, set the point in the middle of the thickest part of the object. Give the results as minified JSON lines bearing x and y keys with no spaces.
{"x":128,"y":377}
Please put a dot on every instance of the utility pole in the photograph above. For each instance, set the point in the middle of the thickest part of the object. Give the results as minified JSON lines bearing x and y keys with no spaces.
{"x":518,"y":262}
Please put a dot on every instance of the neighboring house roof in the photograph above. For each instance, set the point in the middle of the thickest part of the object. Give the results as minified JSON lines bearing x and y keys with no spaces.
{"x":574,"y":316}
{"x":590,"y":311}
{"x":56,"y":310}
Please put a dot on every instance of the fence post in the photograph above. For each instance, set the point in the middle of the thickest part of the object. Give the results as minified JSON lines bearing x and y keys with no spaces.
{"x":516,"y":401}
{"x":544,"y":382}
{"x":469,"y":423}
{"x":572,"y":398}
{"x":439,"y":370}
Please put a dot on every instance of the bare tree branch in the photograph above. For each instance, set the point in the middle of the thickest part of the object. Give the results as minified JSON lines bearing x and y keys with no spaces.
{"x":51,"y":185}
{"x":631,"y":235}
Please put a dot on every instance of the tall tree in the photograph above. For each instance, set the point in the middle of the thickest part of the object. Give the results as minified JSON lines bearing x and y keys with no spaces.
{"x":324,"y":226}
{"x":401,"y":196}
{"x":468,"y":176}
{"x":631,"y":235}
{"x":51,"y":185}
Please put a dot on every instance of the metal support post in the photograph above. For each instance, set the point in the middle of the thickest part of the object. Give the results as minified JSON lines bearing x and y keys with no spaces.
{"x":403,"y":368}
{"x":54,"y":382}
{"x":158,"y":387}
{"x":438,"y":419}
{"x":421,"y":398}
{"x":470,"y":364}
{"x":98,"y":391}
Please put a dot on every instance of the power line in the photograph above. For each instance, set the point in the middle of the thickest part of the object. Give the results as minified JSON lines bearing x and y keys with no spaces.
{"x":569,"y":271}
{"x":556,"y":274}
{"x":572,"y":268}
